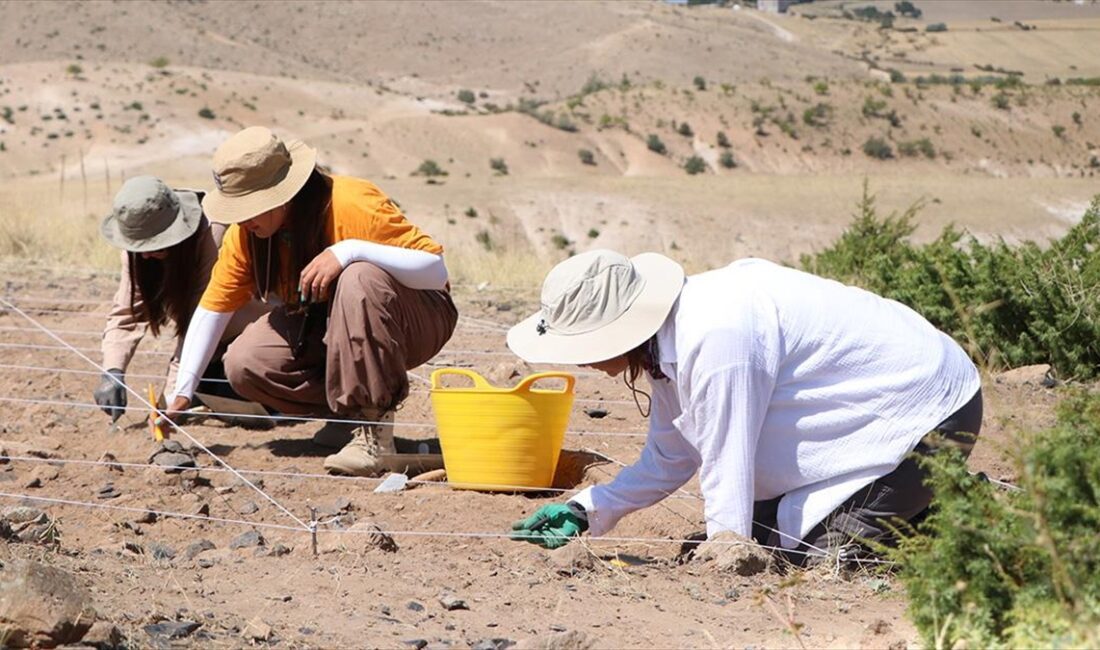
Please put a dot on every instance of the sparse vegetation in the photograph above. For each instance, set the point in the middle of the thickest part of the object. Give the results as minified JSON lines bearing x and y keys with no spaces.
{"x":695,"y":165}
{"x":921,"y":147}
{"x":991,"y":568}
{"x":723,"y":140}
{"x":560,"y":241}
{"x":1077,"y":119}
{"x":700,"y":83}
{"x":653,"y":142}
{"x":879,"y":148}
{"x":466,"y":96}
{"x":430,"y":169}
{"x":586,"y":156}
{"x":906,"y":8}
{"x":74,"y":69}
{"x":1008,"y":305}
{"x":1059,"y":131}
{"x":727,"y":160}
{"x":593,"y":233}
{"x":1000,"y":101}
{"x":821,"y":87}
{"x":471,"y":212}
{"x":206,"y":113}
{"x":936,"y":27}
{"x":685,"y":130}
{"x":499,"y":166}
{"x":482,"y":237}
{"x":159,"y":62}
{"x":871,"y":14}
{"x":818,"y":115}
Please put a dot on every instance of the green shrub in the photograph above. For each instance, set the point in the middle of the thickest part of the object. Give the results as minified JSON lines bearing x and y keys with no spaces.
{"x":906,"y":8}
{"x":205,"y":113}
{"x":560,"y":241}
{"x":466,"y":96}
{"x":1076,"y":118}
{"x":685,"y":130}
{"x":429,"y":168}
{"x":1008,"y":305}
{"x":876,"y":147}
{"x":727,"y":160}
{"x":873,"y":107}
{"x":994,"y":568}
{"x":936,"y":27}
{"x":471,"y":212}
{"x":485,"y":239}
{"x":593,"y":233}
{"x":586,"y":156}
{"x":821,"y":87}
{"x":655,"y":145}
{"x":913,"y":148}
{"x":565,"y":123}
{"x":817,"y":115}
{"x":159,"y":62}
{"x":1058,"y":130}
{"x":1000,"y":101}
{"x":695,"y":165}
{"x":723,"y":140}
{"x":700,"y":83}
{"x":499,"y":166}
{"x":74,"y":69}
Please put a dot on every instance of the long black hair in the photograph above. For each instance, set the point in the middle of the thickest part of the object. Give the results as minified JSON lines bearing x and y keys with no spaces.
{"x":304,"y":229}
{"x":166,"y":287}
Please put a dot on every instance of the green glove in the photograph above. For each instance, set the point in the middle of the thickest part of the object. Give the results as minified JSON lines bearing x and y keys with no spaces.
{"x":552,"y":526}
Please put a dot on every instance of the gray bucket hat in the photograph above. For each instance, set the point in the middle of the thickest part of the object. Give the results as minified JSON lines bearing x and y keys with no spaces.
{"x":149,"y":216}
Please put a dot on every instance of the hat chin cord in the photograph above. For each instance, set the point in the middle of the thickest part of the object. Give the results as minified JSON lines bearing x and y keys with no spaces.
{"x":635,"y":392}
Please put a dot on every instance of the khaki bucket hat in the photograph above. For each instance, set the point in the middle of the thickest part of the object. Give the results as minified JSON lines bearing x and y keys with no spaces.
{"x":149,"y":216}
{"x":598,"y":305}
{"x":255,"y":171}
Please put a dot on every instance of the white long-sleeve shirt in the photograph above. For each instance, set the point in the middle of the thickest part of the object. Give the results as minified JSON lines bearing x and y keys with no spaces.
{"x":781,"y":383}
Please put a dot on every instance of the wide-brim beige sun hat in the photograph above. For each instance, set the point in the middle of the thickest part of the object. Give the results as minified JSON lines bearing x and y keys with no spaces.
{"x":149,"y":216}
{"x":598,"y":305}
{"x":255,"y":171}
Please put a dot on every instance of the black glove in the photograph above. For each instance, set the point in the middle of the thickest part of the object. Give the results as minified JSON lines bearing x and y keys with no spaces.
{"x":111,"y":393}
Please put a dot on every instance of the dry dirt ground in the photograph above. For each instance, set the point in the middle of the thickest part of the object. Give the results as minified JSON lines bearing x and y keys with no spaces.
{"x":354,"y":593}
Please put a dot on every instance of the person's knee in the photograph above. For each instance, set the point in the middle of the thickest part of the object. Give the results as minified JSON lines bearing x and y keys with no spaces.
{"x":367,"y":281}
{"x":237,"y":367}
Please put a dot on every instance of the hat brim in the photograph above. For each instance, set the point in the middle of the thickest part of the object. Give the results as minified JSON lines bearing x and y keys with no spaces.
{"x":664,"y":279}
{"x":186,"y":224}
{"x":225,"y":209}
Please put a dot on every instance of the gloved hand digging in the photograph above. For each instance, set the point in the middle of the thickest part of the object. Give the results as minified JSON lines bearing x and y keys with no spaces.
{"x":110,"y":395}
{"x":552,"y":526}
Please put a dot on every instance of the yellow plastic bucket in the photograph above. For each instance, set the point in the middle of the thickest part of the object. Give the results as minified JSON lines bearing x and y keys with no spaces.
{"x":501,"y":439}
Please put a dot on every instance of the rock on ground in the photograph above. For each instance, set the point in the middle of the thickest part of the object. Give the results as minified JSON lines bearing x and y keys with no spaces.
{"x":42,"y":606}
{"x":728,"y":552}
{"x":571,"y":640}
{"x":572,"y":559}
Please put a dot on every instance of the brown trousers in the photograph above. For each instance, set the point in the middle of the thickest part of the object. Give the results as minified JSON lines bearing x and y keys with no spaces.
{"x":376,"y":330}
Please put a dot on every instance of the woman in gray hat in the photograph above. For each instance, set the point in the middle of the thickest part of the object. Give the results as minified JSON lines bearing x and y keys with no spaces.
{"x":798,"y":400}
{"x":168,"y":249}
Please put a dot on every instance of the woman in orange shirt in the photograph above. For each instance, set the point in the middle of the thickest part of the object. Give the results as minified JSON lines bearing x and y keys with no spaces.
{"x":361,"y":292}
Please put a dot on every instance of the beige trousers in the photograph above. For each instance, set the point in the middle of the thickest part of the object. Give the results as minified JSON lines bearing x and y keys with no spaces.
{"x":377,"y":329}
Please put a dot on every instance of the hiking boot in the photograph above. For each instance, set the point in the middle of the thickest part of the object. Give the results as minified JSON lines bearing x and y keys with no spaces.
{"x":371,"y":450}
{"x":334,"y":435}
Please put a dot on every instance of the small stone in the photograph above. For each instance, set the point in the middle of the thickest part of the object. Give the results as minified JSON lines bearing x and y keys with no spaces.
{"x":337,"y":507}
{"x":733,"y":594}
{"x":249,"y":508}
{"x":414,"y":606}
{"x":173,"y":463}
{"x":225,"y":489}
{"x":572,"y":559}
{"x":878,"y":626}
{"x":257,"y":630}
{"x":160,"y":551}
{"x":42,"y":606}
{"x":419,"y":644}
{"x":280,"y":550}
{"x":195,"y":549}
{"x":200,"y":509}
{"x":205,"y":563}
{"x":571,"y":640}
{"x":111,"y":461}
{"x":108,"y":491}
{"x":41,"y":475}
{"x":729,"y":552}
{"x":248,"y":540}
{"x":172,"y":629}
{"x":493,"y":644}
{"x":307,"y":631}
{"x":596,"y":413}
{"x":133,"y":547}
{"x":451,"y":602}
{"x":103,"y":635}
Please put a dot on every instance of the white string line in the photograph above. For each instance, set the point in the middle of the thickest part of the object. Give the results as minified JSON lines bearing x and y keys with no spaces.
{"x":217,"y":380}
{"x":161,"y":513}
{"x":36,"y":346}
{"x":391,"y":533}
{"x":16,"y":328}
{"x":286,"y":474}
{"x":291,"y":418}
{"x":153,"y":408}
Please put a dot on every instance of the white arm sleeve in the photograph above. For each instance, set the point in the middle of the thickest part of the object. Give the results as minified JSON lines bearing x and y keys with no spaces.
{"x":412,"y":268}
{"x":666,"y":463}
{"x":202,"y":338}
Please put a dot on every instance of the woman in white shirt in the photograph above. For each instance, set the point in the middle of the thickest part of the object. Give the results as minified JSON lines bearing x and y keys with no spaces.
{"x":797,"y":399}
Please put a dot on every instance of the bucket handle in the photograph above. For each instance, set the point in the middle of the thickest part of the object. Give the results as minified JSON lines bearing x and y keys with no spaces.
{"x":525,"y":385}
{"x":479,"y":381}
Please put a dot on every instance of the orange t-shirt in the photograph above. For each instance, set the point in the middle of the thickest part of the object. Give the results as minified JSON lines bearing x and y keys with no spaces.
{"x":359,"y":211}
